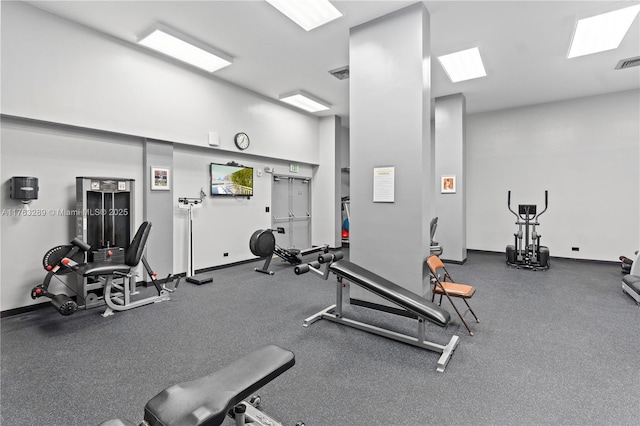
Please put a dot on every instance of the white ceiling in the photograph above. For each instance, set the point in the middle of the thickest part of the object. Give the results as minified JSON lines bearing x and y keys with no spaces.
{"x":524,"y":45}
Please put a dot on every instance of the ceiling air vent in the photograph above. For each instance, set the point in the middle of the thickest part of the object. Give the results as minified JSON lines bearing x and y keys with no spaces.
{"x":628,"y":63}
{"x":341,"y":73}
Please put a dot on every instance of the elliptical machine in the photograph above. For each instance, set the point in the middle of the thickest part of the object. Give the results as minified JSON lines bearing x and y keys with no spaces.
{"x":527,"y":251}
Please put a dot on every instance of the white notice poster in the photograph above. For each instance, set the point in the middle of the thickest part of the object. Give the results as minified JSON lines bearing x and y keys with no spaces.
{"x":383,"y":184}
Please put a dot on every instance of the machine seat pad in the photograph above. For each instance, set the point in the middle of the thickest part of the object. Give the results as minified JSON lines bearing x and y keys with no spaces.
{"x":633,"y":281}
{"x":392,"y":292}
{"x":103,"y":268}
{"x":206,"y":401}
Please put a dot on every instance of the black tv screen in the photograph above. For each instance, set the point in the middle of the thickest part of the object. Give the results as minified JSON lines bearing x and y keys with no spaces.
{"x":231,"y":180}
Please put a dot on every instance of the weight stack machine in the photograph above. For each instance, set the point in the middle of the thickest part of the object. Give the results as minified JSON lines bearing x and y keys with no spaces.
{"x":104,"y":220}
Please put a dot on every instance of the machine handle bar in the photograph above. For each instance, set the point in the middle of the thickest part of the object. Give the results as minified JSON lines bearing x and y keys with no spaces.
{"x":81,"y":244}
{"x":509,"y":206}
{"x":330,"y":257}
{"x":546,"y":204}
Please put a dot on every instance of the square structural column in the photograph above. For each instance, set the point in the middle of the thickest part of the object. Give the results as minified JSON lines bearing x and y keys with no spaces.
{"x":326,"y":211}
{"x":390,"y":148}
{"x":450,"y":167}
{"x":159,"y":208}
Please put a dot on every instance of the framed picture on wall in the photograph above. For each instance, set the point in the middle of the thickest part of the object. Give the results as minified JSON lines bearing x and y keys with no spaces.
{"x":160,"y":179}
{"x":447,"y":184}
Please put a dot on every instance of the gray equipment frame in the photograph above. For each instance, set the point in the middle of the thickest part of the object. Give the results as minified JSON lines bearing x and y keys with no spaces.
{"x":334,"y":313}
{"x":87,"y":290}
{"x":120,"y":300}
{"x":247,"y":412}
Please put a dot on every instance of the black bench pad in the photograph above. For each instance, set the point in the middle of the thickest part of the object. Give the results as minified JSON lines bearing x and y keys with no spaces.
{"x":117,"y":422}
{"x":102,"y":268}
{"x":392,"y":292}
{"x":206,"y":401}
{"x":633,"y":282}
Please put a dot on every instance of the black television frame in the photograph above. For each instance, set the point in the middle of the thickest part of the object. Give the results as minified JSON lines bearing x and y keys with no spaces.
{"x":226,"y":187}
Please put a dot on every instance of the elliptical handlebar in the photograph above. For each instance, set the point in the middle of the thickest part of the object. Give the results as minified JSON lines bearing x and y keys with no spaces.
{"x":509,"y":205}
{"x":546,"y":204}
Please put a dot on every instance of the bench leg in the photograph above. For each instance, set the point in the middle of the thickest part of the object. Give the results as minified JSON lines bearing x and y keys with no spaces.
{"x":316,"y":317}
{"x":239,"y":413}
{"x":447,"y":352}
{"x":419,"y":341}
{"x":252,"y":416}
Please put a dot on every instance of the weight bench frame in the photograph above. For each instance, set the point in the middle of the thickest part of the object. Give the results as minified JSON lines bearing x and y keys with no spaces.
{"x":334,"y":313}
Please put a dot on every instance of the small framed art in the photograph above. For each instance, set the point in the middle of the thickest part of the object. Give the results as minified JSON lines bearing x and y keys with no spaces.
{"x":448,"y":185}
{"x":160,"y":179}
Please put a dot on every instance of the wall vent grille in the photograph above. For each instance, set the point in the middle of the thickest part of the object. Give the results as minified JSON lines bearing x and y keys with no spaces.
{"x":628,"y":63}
{"x":341,"y":73}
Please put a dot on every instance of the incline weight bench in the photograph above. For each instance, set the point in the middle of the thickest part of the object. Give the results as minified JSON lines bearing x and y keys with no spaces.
{"x":416,"y":305}
{"x":208,"y":400}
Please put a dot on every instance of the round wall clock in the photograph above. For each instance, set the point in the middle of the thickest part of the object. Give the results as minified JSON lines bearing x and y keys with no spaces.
{"x":242,"y":140}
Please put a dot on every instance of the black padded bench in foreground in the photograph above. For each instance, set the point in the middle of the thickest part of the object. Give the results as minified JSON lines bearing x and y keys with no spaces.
{"x":208,"y":400}
{"x":420,"y":307}
{"x":631,"y":286}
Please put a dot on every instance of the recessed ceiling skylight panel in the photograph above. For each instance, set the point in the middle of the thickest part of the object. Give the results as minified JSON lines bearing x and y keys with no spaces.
{"x":309,"y":14}
{"x":305,"y":101}
{"x":602,"y":32}
{"x":184,"y":48}
{"x":463,"y":65}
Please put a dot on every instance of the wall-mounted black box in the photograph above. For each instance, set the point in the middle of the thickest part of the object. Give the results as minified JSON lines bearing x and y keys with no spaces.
{"x":24,"y":188}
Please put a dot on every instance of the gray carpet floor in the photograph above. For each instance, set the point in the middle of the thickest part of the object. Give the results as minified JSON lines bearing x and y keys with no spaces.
{"x":554,"y":347}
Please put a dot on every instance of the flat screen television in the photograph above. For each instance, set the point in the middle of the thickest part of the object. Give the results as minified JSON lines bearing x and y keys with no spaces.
{"x":231,"y":180}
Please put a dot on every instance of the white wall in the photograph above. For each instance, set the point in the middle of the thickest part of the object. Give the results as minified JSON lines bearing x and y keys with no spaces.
{"x":55,"y":70}
{"x":55,"y":155}
{"x":222,"y":224}
{"x":584,"y":151}
{"x":327,"y":185}
{"x":56,"y":73}
{"x":450,"y":147}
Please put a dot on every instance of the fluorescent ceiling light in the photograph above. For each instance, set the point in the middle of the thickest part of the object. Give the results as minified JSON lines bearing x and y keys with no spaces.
{"x":309,"y":14}
{"x":463,"y":65}
{"x":602,"y":32}
{"x":305,"y":101}
{"x":184,"y":48}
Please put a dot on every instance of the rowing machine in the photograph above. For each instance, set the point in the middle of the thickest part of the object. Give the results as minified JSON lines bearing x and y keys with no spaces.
{"x":263,"y":244}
